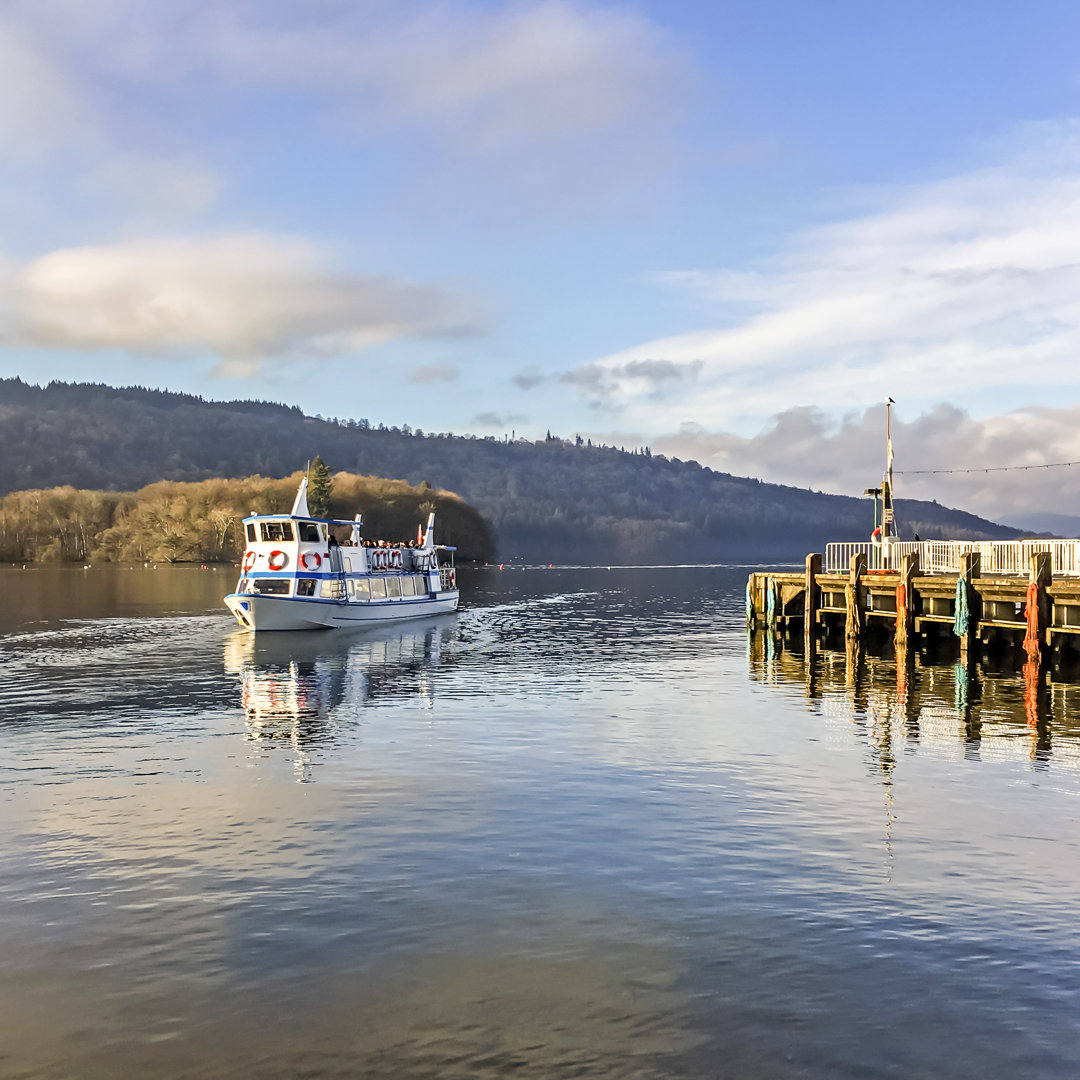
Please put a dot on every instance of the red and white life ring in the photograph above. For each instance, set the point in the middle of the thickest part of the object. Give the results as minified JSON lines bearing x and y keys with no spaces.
{"x":875,"y":536}
{"x":452,"y":578}
{"x":395,"y":558}
{"x":249,"y":561}
{"x":278,"y":560}
{"x":311,"y":560}
{"x":377,"y":557}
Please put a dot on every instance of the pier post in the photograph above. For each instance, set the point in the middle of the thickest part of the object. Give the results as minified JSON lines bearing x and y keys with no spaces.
{"x":810,"y":606}
{"x":1037,"y":608}
{"x":853,"y":592}
{"x":905,"y":601}
{"x":970,"y":568}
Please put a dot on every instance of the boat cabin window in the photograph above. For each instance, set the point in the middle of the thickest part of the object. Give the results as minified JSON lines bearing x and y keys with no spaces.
{"x":309,"y":532}
{"x":378,"y":588}
{"x":305,"y":587}
{"x":360,"y":590}
{"x":275,"y":586}
{"x":251,"y":532}
{"x":276,"y":530}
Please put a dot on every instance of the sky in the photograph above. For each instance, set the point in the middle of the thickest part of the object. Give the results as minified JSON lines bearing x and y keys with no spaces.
{"x":726,"y":230}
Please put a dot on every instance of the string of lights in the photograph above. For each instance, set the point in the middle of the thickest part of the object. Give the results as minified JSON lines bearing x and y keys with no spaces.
{"x":988,"y":469}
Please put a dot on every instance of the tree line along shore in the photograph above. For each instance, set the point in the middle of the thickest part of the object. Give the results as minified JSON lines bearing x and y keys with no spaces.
{"x":201,"y":521}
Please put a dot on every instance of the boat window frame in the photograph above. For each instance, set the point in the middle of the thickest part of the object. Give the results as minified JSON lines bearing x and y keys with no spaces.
{"x":284,"y":529}
{"x":276,"y":586}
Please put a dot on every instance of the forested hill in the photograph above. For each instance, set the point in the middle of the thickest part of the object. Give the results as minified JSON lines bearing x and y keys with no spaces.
{"x":554,"y":500}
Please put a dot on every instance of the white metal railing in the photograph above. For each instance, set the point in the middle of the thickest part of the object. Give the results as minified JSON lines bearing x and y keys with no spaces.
{"x":1011,"y":557}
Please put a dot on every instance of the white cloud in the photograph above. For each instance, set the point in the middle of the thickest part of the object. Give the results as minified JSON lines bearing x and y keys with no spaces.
{"x":552,"y":95}
{"x":970,"y":282}
{"x":806,"y":447}
{"x":243,"y":298}
{"x":441,"y":371}
{"x":487,"y":76}
{"x":153,"y":187}
{"x":41,"y":105}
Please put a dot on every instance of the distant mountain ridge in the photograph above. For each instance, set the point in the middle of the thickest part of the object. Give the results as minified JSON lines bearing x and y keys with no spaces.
{"x":554,"y":500}
{"x":1064,"y":525}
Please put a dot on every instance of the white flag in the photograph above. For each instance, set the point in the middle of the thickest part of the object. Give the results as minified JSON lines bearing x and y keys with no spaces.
{"x":300,"y":507}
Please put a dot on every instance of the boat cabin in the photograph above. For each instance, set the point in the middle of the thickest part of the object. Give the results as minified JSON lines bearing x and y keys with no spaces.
{"x":328,"y":559}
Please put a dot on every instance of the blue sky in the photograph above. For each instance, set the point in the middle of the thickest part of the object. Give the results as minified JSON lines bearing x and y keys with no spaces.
{"x":727,"y":230}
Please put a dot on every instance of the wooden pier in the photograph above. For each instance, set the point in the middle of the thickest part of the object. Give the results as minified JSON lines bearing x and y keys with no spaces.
{"x":1037,"y":610}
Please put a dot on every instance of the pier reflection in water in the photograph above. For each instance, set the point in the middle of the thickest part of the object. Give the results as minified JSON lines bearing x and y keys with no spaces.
{"x":925,"y":700}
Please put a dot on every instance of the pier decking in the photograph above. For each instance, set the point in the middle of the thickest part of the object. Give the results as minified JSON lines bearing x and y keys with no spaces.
{"x":1006,"y":594}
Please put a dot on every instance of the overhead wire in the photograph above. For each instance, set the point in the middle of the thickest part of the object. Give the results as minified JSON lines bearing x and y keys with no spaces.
{"x":985,"y":469}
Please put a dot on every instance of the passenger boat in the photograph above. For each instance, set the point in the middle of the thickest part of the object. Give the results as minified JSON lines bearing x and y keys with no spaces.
{"x":308,"y":573}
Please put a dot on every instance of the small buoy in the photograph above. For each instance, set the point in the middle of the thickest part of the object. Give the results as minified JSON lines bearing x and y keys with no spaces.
{"x":501,"y":565}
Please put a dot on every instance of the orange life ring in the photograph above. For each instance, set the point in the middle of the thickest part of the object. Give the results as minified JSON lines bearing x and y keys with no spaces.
{"x":249,"y":561}
{"x":278,"y":560}
{"x":453,"y":578}
{"x":311,"y":555}
{"x":875,"y":536}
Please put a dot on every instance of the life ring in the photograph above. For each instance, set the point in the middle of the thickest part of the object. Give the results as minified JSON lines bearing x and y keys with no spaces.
{"x":875,"y":536}
{"x":453,"y":578}
{"x":310,"y":557}
{"x":249,"y":561}
{"x":377,"y":559}
{"x":395,"y":559}
{"x":278,"y":560}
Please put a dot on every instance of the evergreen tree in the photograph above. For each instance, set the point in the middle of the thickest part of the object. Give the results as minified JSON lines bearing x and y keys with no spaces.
{"x":320,"y":486}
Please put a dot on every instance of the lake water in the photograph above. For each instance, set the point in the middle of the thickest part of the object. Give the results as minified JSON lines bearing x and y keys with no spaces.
{"x":580,"y":828}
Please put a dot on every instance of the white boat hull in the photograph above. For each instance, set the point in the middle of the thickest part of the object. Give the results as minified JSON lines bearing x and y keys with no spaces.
{"x":255,"y":611}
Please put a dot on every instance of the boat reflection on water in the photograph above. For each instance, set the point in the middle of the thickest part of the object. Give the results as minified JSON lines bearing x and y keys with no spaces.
{"x":304,"y":687}
{"x":926,"y":702}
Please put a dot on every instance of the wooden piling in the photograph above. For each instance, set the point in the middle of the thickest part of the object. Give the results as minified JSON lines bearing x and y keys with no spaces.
{"x":905,"y":601}
{"x":854,"y":597}
{"x":970,"y":568}
{"x":810,"y":604}
{"x":1038,"y":616}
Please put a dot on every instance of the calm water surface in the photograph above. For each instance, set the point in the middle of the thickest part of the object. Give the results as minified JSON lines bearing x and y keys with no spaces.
{"x":578,"y":829}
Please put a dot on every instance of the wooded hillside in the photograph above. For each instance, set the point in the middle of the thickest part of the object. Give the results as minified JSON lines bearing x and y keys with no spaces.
{"x":173,"y":521}
{"x":555,"y":500}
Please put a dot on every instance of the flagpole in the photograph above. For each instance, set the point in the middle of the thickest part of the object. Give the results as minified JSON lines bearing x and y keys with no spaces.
{"x":888,"y":521}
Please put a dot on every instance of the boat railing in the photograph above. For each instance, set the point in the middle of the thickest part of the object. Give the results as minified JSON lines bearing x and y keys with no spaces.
{"x":1002,"y":557}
